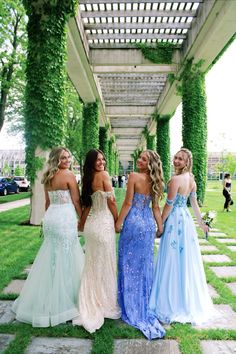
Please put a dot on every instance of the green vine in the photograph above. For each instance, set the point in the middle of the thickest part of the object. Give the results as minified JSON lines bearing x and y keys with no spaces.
{"x":104,"y":143}
{"x":161,"y":53}
{"x":135,"y":157}
{"x":232,"y":39}
{"x":45,"y":121}
{"x":111,"y":156}
{"x":90,"y":127}
{"x":163,"y":143}
{"x":194,"y":129}
{"x":150,"y":139}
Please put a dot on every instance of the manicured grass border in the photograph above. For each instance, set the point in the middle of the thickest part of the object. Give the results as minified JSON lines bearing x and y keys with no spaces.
{"x":19,"y":245}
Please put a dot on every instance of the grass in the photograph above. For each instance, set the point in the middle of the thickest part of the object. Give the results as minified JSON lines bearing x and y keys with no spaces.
{"x":13,"y":197}
{"x":19,"y":245}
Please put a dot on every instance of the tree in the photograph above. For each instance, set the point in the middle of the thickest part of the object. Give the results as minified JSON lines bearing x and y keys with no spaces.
{"x":227,"y":163}
{"x":6,"y":171}
{"x":19,"y":171}
{"x":13,"y":40}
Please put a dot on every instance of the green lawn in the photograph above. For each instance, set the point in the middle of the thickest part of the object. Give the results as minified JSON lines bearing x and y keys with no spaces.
{"x":19,"y":245}
{"x":13,"y":197}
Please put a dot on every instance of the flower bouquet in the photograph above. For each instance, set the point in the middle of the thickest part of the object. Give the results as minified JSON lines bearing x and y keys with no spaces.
{"x":208,"y":219}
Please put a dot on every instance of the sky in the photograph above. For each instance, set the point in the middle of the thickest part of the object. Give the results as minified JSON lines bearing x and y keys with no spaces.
{"x":221,"y":110}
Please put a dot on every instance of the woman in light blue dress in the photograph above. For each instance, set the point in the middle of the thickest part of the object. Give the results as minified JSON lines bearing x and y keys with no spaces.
{"x":180,"y":292}
{"x":136,"y":244}
{"x":49,"y":295}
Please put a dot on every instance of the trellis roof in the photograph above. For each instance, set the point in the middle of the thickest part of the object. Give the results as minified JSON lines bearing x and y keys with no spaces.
{"x":130,"y":87}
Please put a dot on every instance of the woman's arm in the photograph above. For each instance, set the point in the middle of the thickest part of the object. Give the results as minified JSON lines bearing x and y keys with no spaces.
{"x":157,"y":215}
{"x":127,"y":202}
{"x":111,"y":201}
{"x":83,"y":218}
{"x":74,"y":192}
{"x":196,"y":210}
{"x":172,"y":191}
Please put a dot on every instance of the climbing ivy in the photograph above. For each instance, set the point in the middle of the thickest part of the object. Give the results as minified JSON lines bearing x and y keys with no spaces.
{"x":163,"y":143}
{"x":45,"y":74}
{"x":161,"y":53}
{"x":104,"y":143}
{"x":135,"y":157}
{"x":90,"y":127}
{"x":111,"y":156}
{"x":194,"y":129}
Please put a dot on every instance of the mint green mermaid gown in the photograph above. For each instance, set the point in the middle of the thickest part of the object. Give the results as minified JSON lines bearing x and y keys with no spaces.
{"x":50,"y":293}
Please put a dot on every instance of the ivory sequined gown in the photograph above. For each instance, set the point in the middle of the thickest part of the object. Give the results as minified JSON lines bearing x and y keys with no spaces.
{"x":98,"y":291}
{"x":49,"y":295}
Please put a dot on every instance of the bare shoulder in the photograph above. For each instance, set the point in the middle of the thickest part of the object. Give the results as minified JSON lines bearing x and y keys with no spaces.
{"x":133,"y":176}
{"x":175,"y":180}
{"x":103,"y":174}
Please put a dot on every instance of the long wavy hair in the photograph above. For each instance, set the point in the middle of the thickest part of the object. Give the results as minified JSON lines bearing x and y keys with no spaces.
{"x":88,"y":175}
{"x":156,"y":175}
{"x":53,"y":164}
{"x":188,"y":157}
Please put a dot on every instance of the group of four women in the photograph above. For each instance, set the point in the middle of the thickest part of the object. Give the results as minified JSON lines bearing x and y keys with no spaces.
{"x":64,"y":284}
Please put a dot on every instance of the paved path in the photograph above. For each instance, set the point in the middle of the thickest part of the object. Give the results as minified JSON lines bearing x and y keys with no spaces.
{"x":15,"y":204}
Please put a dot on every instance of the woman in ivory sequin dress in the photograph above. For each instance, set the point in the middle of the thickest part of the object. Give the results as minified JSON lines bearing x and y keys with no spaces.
{"x":136,"y":245}
{"x":98,"y":291}
{"x":49,"y":295}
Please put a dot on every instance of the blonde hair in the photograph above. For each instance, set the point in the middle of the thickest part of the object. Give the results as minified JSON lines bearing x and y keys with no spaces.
{"x":189,"y":161}
{"x":156,"y":175}
{"x":53,"y":164}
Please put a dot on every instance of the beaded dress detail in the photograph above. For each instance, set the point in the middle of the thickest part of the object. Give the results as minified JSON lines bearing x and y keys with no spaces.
{"x":180,"y":291}
{"x":49,"y":295}
{"x":98,"y":291}
{"x":135,"y":267}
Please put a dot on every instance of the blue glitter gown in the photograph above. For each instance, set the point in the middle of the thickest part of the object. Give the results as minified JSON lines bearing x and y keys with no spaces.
{"x":135,"y":267}
{"x":180,"y":292}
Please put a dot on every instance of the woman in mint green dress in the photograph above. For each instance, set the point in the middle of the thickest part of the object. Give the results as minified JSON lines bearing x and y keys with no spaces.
{"x":49,"y":295}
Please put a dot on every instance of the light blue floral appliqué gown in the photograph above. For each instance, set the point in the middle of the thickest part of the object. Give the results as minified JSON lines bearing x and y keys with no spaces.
{"x":49,"y":295}
{"x":135,"y":267}
{"x":180,"y":292}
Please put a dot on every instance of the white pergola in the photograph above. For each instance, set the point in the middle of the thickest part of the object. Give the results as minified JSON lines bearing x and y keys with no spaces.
{"x":105,"y":64}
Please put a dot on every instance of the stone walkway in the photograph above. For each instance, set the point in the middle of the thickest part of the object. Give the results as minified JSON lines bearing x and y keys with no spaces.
{"x":15,"y":204}
{"x":222,"y":267}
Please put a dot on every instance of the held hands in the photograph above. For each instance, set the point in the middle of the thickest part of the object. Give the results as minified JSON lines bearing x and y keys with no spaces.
{"x":159,"y":233}
{"x":80,"y":226}
{"x":118,"y":226}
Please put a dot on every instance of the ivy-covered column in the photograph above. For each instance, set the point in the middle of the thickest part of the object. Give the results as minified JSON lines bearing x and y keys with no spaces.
{"x":111,"y":156}
{"x":151,"y":142}
{"x":104,"y":141}
{"x":90,"y":127}
{"x":45,"y":88}
{"x":194,"y":130}
{"x":163,"y":144}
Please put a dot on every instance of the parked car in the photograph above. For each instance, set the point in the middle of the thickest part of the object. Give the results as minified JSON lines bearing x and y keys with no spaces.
{"x":22,"y":182}
{"x":8,"y":185}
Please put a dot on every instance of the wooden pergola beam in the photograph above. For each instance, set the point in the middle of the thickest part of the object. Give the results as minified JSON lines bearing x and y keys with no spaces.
{"x":137,"y":25}
{"x":136,"y":13}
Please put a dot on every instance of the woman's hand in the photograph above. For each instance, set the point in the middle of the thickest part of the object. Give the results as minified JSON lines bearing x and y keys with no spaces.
{"x":205,"y":228}
{"x":118,"y":226}
{"x":159,"y":233}
{"x":80,"y":226}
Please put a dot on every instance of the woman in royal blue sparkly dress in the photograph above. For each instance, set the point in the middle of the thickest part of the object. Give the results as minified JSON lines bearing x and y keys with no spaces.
{"x":136,"y":245}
